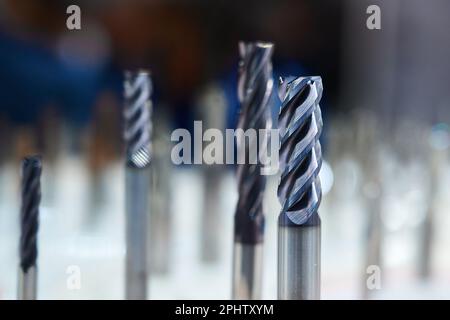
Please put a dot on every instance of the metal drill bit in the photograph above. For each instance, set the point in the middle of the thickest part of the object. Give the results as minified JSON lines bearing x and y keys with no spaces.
{"x":160,"y":222}
{"x":137,"y":114}
{"x":299,"y":191}
{"x":212,"y":105}
{"x":366,"y":147}
{"x":29,"y":221}
{"x":437,"y":152}
{"x":255,"y":89}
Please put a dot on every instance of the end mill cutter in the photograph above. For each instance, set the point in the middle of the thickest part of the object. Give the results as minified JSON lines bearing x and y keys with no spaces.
{"x":137,"y":114}
{"x":255,"y":89}
{"x":29,"y":223}
{"x":299,"y":192}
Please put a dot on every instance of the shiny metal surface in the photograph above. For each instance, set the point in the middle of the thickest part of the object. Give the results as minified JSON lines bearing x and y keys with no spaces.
{"x":299,"y":262}
{"x":137,"y":211}
{"x":27,"y":284}
{"x":247,"y":271}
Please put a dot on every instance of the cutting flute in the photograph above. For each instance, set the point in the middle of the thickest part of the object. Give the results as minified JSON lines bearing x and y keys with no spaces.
{"x":29,"y":223}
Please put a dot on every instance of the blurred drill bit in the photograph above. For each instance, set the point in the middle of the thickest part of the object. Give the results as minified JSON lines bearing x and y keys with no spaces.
{"x":137,"y":113}
{"x":212,"y":109}
{"x":137,"y":136}
{"x":49,"y":142}
{"x":29,"y":221}
{"x":255,"y":90}
{"x":5,"y":140}
{"x":299,"y":191}
{"x":160,"y":221}
{"x":102,"y":149}
{"x":367,"y":150}
{"x":437,"y":152}
{"x":5,"y":152}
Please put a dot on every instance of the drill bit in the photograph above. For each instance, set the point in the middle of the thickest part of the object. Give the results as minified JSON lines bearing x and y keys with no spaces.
{"x":212,"y":109}
{"x":255,"y":89}
{"x":160,"y":222}
{"x":299,"y":191}
{"x":137,"y":114}
{"x":437,"y":159}
{"x":366,"y":148}
{"x":29,"y":221}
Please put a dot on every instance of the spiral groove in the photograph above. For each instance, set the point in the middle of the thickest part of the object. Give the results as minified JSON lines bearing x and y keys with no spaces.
{"x":300,"y":124}
{"x":29,"y":213}
{"x":137,"y":114}
{"x":254,"y":91}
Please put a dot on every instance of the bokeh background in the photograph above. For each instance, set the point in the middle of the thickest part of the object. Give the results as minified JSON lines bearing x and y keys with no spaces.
{"x":386,"y":109}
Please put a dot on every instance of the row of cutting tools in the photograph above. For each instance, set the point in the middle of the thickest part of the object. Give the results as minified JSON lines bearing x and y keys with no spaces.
{"x":299,"y":191}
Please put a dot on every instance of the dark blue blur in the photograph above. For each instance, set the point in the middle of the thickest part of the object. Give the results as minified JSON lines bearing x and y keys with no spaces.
{"x":34,"y":77}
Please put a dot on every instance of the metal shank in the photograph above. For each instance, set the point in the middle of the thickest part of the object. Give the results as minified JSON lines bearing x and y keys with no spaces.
{"x":27,"y":286}
{"x":247,"y":275}
{"x":299,"y":262}
{"x":137,"y":210}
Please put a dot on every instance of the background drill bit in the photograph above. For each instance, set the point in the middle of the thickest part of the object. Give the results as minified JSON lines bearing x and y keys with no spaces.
{"x":137,"y":136}
{"x":212,"y":105}
{"x":437,"y":155}
{"x":255,"y":89}
{"x":160,"y":223}
{"x":299,"y":191}
{"x":29,"y":221}
{"x":368,"y":151}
